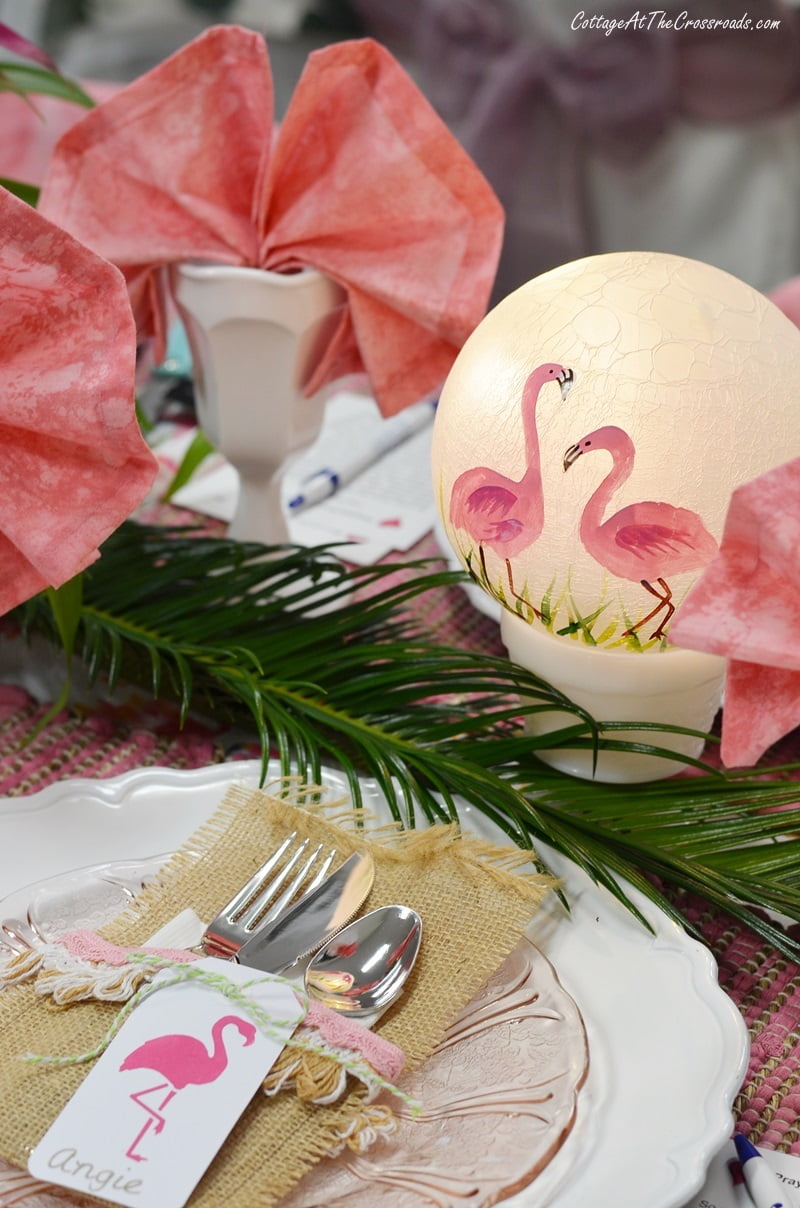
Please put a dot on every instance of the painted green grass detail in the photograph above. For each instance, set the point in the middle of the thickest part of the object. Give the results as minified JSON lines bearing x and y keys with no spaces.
{"x":593,"y":628}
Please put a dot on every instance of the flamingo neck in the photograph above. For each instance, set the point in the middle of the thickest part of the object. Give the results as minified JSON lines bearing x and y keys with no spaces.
{"x":219,"y":1056}
{"x":619,"y":473}
{"x":530,"y":399}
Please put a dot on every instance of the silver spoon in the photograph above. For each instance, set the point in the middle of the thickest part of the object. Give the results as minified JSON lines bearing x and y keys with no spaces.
{"x":364,"y":967}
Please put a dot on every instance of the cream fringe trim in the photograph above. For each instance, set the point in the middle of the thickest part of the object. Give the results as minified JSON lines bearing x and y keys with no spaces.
{"x":67,"y":978}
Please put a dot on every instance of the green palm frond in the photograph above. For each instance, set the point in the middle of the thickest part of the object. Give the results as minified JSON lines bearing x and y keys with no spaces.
{"x":20,"y":188}
{"x":324,"y":664}
{"x":23,"y":79}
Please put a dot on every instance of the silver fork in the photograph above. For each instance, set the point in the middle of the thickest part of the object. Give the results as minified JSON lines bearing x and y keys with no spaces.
{"x":256,"y":903}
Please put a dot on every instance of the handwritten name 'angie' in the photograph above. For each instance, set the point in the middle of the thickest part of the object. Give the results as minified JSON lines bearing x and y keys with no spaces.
{"x":96,"y":1180}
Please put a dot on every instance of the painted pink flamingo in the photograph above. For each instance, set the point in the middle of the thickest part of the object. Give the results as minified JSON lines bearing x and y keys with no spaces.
{"x":499,"y":512}
{"x":645,"y":541}
{"x":181,"y":1061}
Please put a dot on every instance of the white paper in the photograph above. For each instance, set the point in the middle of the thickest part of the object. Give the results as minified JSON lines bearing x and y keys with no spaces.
{"x":389,"y":506}
{"x":157,"y":1105}
{"x":719,"y":1192}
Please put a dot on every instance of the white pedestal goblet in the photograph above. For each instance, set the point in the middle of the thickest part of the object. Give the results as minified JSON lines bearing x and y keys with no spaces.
{"x":255,"y":336}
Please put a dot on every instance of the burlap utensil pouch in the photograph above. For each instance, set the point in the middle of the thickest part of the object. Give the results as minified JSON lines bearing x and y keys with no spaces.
{"x":474,"y":899}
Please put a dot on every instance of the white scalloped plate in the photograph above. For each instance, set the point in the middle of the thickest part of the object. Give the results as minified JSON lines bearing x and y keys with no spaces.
{"x":668,"y":1048}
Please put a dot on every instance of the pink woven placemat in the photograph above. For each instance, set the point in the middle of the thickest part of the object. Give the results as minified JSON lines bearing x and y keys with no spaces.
{"x":106,"y":742}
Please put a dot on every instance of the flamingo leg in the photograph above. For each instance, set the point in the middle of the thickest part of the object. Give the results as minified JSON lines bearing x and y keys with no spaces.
{"x":482,"y":556}
{"x":154,"y":1117}
{"x":130,"y":1152}
{"x":664,"y":601}
{"x":516,"y":595}
{"x":511,"y":587}
{"x":138,"y":1097}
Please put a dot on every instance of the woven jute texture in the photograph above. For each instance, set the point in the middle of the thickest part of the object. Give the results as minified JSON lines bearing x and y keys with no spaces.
{"x":474,"y":900}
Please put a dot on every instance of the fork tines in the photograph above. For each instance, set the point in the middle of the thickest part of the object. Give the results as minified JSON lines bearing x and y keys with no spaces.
{"x":266,"y":896}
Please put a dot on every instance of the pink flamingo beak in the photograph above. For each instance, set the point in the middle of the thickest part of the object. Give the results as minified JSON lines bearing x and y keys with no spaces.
{"x":566,"y":380}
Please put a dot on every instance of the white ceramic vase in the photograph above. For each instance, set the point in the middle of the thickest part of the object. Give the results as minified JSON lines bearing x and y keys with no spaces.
{"x":255,"y":335}
{"x":675,"y":687}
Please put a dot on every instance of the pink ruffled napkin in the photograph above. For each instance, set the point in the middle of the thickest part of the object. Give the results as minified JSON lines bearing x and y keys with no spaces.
{"x":30,"y":134}
{"x":786,"y":297}
{"x":746,"y":607}
{"x":363,"y":181}
{"x":73,"y":464}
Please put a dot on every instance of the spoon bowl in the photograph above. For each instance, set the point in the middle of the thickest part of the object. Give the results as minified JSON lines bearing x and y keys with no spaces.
{"x":365,"y":966}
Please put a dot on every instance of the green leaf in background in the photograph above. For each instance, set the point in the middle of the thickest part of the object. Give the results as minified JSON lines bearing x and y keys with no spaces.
{"x":24,"y":79}
{"x":66,"y":606}
{"x":19,"y":188}
{"x":145,"y":423}
{"x":324,"y":664}
{"x":197,"y":452}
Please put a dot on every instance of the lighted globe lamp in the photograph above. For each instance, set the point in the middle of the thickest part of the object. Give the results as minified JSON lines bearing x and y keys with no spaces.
{"x":586,"y":445}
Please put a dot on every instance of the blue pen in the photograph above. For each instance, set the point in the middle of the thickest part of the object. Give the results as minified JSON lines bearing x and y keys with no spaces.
{"x":320,"y":485}
{"x":392,"y":432}
{"x":762,"y":1184}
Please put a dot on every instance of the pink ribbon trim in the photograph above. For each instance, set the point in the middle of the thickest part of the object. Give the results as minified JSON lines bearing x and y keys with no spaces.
{"x":91,"y":947}
{"x":337,"y":1029}
{"x":334,"y":1027}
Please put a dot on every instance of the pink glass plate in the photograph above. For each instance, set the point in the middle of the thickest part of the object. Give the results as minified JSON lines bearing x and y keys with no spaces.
{"x":499,"y":1097}
{"x":499,"y":1094}
{"x":87,"y":897}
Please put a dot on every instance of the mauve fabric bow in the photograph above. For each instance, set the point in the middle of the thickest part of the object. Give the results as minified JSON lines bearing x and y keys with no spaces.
{"x":73,"y":464}
{"x":746,"y":607}
{"x":529,"y":107}
{"x":362,"y":181}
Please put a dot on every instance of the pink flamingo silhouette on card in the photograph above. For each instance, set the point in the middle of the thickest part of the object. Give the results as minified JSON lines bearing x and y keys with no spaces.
{"x":181,"y":1061}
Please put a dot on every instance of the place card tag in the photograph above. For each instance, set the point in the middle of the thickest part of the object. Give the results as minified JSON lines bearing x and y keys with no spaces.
{"x":147,"y":1121}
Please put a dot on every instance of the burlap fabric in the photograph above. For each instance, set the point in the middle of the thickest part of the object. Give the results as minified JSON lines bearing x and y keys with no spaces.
{"x":474,"y":901}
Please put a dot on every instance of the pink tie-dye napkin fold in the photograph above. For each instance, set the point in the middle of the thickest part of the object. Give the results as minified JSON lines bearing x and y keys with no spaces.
{"x":746,"y":607}
{"x":73,"y":464}
{"x":362,"y":181}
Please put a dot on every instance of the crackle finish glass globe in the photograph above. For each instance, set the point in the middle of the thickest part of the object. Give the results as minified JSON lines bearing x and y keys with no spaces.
{"x":592,"y":429}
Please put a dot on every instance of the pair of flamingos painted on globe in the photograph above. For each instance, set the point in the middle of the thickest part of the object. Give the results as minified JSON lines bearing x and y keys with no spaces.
{"x":644,"y":542}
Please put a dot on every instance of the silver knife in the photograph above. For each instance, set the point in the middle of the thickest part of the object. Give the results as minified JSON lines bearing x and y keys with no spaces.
{"x":313,"y":921}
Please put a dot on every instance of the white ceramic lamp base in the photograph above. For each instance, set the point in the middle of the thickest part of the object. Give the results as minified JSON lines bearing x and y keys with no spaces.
{"x":677,"y":687}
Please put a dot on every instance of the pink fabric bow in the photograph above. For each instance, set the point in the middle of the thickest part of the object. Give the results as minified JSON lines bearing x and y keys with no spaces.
{"x":29,"y":135}
{"x":73,"y":464}
{"x":746,"y":607}
{"x":363,"y":182}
